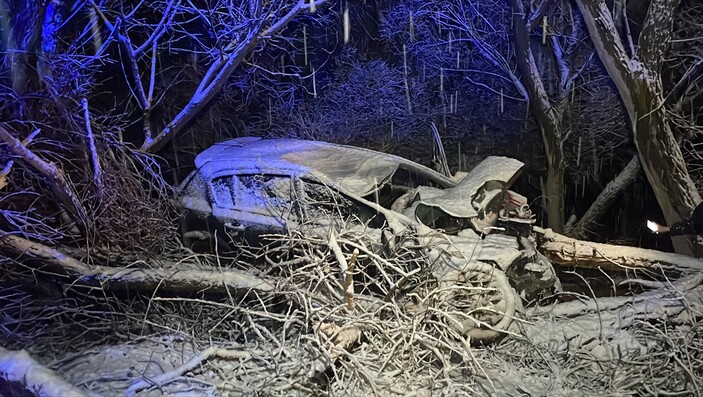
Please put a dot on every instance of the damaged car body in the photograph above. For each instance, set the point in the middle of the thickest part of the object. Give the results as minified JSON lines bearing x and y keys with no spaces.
{"x":471,"y":229}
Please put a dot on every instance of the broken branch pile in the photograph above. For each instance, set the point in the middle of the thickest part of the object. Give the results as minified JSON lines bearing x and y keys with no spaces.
{"x":328,"y":315}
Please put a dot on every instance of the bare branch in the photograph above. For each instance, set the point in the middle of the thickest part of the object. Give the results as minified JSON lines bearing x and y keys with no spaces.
{"x":95,"y":159}
{"x":132,"y":56}
{"x":19,"y":366}
{"x":53,"y":177}
{"x":219,"y":72}
{"x":182,"y":277}
{"x":568,"y":251}
{"x":458,"y":20}
{"x":126,"y":44}
{"x":159,"y":30}
{"x":606,"y":198}
{"x":564,"y":71}
{"x":693,"y":74}
{"x":607,"y":40}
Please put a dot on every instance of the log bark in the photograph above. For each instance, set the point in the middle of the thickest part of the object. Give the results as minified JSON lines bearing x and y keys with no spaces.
{"x":567,"y":251}
{"x":182,"y":277}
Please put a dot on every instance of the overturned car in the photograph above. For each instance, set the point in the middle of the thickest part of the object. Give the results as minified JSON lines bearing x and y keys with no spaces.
{"x":470,"y":230}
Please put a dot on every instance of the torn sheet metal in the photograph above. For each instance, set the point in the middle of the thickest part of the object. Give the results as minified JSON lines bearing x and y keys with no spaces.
{"x":493,"y":173}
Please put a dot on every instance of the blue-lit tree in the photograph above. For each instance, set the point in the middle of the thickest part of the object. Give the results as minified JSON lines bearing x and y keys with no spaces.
{"x":226,"y":33}
{"x":80,"y":77}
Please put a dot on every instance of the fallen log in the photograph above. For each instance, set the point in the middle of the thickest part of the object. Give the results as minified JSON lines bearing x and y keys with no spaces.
{"x":180,"y":277}
{"x":605,"y":327}
{"x":567,"y":251}
{"x":20,"y":368}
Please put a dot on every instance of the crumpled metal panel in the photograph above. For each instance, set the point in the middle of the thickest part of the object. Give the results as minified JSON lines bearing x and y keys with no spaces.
{"x":354,"y":169}
{"x":360,"y":172}
{"x":457,"y":201}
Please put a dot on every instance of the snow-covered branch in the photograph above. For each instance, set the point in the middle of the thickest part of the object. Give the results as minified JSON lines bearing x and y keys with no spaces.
{"x":605,"y":199}
{"x":181,"y":277}
{"x":572,"y":252}
{"x":606,"y":38}
{"x":92,"y":148}
{"x":219,"y":72}
{"x":52,"y":175}
{"x":462,"y":19}
{"x":18,"y":366}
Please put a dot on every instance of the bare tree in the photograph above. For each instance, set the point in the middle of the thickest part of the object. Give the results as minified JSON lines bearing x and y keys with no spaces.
{"x":228,"y":32}
{"x":637,"y":75}
{"x":549,"y":114}
{"x":541,"y":58}
{"x":548,"y":96}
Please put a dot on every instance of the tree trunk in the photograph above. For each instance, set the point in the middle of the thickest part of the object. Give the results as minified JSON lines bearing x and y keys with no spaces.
{"x":605,"y":199}
{"x":548,"y":117}
{"x":566,"y":251}
{"x":554,"y":189}
{"x":639,"y":84}
{"x":665,"y":167}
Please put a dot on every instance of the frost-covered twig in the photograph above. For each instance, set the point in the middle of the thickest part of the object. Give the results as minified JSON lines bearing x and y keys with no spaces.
{"x":170,"y":376}
{"x":94,"y":157}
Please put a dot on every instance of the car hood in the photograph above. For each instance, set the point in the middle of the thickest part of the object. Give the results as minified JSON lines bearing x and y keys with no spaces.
{"x":457,"y":201}
{"x":357,"y":170}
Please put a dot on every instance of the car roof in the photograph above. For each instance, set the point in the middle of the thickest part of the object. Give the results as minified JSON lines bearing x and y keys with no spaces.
{"x":351,"y":168}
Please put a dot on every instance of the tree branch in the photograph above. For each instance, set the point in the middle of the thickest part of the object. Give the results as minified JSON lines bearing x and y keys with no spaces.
{"x":53,"y":177}
{"x":158,"y":31}
{"x":684,"y":84}
{"x":606,"y":198}
{"x":95,"y":159}
{"x":19,"y":366}
{"x":456,"y":19}
{"x":564,"y":71}
{"x":183,"y":277}
{"x":571,"y":252}
{"x":219,"y":72}
{"x":607,"y":41}
{"x":132,"y":62}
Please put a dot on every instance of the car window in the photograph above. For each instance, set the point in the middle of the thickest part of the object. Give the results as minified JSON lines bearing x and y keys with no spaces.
{"x":222,"y":191}
{"x":264,"y":194}
{"x":322,"y":201}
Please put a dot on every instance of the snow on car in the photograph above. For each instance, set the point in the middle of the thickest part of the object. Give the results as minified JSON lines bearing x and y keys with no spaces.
{"x":471,"y":230}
